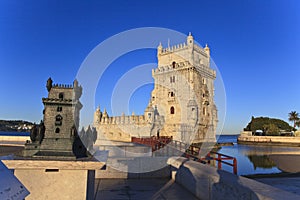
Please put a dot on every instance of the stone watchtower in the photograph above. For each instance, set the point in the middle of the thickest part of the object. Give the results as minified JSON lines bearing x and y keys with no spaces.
{"x":182,"y":101}
{"x":60,"y":121}
{"x":184,"y":92}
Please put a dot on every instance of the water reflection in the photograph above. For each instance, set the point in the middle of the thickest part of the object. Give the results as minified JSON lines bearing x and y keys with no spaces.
{"x":254,"y":159}
{"x":262,"y":161}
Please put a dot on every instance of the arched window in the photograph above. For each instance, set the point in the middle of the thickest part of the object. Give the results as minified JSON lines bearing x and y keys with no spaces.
{"x":173,"y":64}
{"x":172,"y":110}
{"x":57,"y":130}
{"x":58,"y":120}
{"x":61,"y":96}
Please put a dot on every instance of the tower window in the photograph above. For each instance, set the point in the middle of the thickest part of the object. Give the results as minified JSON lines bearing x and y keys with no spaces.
{"x":58,"y":120}
{"x":172,"y":110}
{"x":57,"y":130}
{"x":172,"y":94}
{"x":61,"y":96}
{"x":172,"y":79}
{"x":59,"y":109}
{"x":174,"y":64}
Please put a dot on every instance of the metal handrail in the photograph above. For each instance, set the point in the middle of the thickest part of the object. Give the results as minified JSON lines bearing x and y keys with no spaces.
{"x":188,"y":151}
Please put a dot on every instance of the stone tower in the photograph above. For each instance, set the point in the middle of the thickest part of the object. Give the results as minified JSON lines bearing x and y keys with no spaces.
{"x":184,"y":92}
{"x":181,"y":104}
{"x":60,"y":122}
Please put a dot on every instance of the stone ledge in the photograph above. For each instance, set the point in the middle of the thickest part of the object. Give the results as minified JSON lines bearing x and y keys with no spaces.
{"x":207,"y":182}
{"x":269,"y":140}
{"x":51,"y":164}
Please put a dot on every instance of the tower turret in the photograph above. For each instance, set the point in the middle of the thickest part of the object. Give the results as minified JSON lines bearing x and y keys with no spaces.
{"x":190,"y":39}
{"x":159,"y":49}
{"x":97,"y":115}
{"x":49,"y":84}
{"x":149,"y":114}
{"x":207,"y":50}
{"x":105,"y":115}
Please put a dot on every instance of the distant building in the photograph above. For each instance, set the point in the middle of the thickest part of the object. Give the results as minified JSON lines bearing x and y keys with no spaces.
{"x":181,"y":104}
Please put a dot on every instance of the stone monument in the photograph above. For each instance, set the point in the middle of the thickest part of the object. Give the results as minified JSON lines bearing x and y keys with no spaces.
{"x":56,"y":136}
{"x":52,"y":165}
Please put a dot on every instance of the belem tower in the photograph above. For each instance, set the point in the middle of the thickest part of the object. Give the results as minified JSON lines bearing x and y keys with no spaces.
{"x":181,"y":104}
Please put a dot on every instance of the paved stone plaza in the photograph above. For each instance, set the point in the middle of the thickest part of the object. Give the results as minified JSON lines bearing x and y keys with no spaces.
{"x":140,"y":189}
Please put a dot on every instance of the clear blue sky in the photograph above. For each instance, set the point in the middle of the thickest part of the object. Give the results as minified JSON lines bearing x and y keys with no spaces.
{"x":255,"y":44}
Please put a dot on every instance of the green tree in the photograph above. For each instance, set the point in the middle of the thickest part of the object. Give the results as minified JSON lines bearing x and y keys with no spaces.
{"x":259,"y":122}
{"x":271,"y":129}
{"x":294,"y":117}
{"x":298,"y":123}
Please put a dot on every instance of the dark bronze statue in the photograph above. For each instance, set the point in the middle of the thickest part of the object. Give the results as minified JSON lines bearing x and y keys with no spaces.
{"x":33,"y":133}
{"x":37,"y":133}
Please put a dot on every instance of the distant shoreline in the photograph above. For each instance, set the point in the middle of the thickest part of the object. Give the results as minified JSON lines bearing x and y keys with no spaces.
{"x":269,"y":140}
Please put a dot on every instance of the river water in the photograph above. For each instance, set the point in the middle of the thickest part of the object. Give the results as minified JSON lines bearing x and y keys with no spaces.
{"x":254,"y":159}
{"x":6,"y":133}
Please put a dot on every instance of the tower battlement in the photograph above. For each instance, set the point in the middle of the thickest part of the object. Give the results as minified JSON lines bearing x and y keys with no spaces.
{"x":207,"y":72}
{"x":62,"y":86}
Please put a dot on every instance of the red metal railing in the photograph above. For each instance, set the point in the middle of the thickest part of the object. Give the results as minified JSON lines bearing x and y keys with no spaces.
{"x":154,"y":142}
{"x":193,"y":151}
{"x":188,"y":151}
{"x":221,"y":159}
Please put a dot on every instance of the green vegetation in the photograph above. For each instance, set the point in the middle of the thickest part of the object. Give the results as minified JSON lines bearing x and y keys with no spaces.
{"x":270,"y":126}
{"x":294,"y":117}
{"x":15,"y":125}
{"x":271,"y":129}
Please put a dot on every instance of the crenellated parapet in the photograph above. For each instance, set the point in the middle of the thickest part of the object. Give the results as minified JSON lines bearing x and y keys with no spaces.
{"x":174,"y":48}
{"x":119,"y":120}
{"x":171,"y":68}
{"x":63,"y":92}
{"x":62,"y":86}
{"x":201,"y":68}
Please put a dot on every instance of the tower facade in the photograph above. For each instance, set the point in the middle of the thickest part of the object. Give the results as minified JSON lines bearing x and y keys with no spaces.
{"x":184,"y":92}
{"x":181,"y":104}
{"x":59,"y":137}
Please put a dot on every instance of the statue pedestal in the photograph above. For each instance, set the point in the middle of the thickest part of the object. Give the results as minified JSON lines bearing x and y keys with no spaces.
{"x":49,"y":179}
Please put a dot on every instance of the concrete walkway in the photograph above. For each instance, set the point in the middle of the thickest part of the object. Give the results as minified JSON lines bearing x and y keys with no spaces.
{"x":140,"y":189}
{"x":289,"y":184}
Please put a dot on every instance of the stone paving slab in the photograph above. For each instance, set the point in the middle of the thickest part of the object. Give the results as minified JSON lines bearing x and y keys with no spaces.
{"x":140,"y":189}
{"x":290,"y":184}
